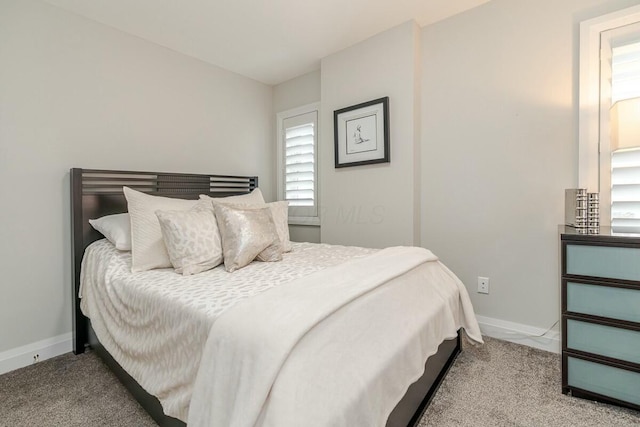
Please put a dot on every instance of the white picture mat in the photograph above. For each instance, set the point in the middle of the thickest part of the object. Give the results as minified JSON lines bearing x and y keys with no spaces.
{"x":370,"y":118}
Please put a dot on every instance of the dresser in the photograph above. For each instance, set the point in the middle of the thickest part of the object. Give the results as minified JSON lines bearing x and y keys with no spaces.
{"x":601,"y":316}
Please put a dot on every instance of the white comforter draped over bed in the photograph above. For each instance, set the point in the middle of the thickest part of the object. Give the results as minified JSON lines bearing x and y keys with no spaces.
{"x":156,"y":323}
{"x":338,"y":347}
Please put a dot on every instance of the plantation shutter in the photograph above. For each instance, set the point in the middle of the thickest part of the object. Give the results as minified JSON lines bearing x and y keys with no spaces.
{"x":625,"y":162}
{"x":625,"y":72}
{"x":625,"y":190}
{"x":300,"y":175}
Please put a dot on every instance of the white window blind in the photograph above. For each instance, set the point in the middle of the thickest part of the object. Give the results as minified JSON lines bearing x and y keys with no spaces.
{"x":625,"y":72}
{"x":625,"y":163}
{"x":298,"y":160}
{"x":625,"y":190}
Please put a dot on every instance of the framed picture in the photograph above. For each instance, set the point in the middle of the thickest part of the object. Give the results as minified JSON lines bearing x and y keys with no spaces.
{"x":361,"y":133}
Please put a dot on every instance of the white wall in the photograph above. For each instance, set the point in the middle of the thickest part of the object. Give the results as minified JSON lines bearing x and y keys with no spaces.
{"x":500,"y":146}
{"x":302,"y":90}
{"x":497,"y":124}
{"x":74,"y":93}
{"x":297,"y":92}
{"x":373,"y":205}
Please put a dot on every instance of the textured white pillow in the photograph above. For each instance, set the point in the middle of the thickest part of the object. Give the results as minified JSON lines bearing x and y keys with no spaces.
{"x":147,"y":247}
{"x":116,"y":228}
{"x":192,"y":239}
{"x":280,"y":213}
{"x":247,"y":234}
{"x":254,"y":198}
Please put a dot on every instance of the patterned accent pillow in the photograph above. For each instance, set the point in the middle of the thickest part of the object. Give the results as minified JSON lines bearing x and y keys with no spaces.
{"x":247,"y":234}
{"x":147,"y":246}
{"x":192,"y":239}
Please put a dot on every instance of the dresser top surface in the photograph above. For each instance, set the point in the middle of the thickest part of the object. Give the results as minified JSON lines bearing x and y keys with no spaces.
{"x":606,"y":235}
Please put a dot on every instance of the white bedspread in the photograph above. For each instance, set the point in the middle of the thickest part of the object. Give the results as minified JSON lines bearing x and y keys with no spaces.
{"x":156,"y":323}
{"x":336,"y":348}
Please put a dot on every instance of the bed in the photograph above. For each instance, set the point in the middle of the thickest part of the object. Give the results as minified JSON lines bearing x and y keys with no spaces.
{"x":95,"y":193}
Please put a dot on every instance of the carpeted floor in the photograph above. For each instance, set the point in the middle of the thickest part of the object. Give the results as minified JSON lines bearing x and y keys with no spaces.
{"x":498,"y":384}
{"x":506,"y":384}
{"x":68,"y":390}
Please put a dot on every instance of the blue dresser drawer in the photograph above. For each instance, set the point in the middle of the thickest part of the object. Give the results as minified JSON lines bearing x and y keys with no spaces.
{"x":601,"y":316}
{"x":605,"y":380}
{"x":604,"y":301}
{"x":603,"y":261}
{"x":619,"y":343}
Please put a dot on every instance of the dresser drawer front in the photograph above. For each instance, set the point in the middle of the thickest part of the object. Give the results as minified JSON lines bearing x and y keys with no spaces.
{"x":605,"y":380}
{"x":604,"y":301}
{"x":603,"y":261}
{"x":619,"y":343}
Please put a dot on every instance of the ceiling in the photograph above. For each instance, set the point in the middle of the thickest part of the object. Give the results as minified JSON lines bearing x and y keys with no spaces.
{"x":267,"y":40}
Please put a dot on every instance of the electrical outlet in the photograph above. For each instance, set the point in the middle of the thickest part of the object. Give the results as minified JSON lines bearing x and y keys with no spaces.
{"x":483,"y":285}
{"x":36,"y":358}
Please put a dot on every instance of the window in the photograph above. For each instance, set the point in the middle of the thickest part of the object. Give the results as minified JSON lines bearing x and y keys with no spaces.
{"x":625,"y":136}
{"x":608,"y":78}
{"x":298,"y":163}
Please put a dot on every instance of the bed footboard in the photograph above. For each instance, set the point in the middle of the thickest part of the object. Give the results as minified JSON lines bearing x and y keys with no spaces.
{"x":410,"y":409}
{"x":407,"y":412}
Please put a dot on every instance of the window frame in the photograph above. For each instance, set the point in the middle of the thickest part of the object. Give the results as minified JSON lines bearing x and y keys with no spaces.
{"x":280,"y":162}
{"x":593,"y":141}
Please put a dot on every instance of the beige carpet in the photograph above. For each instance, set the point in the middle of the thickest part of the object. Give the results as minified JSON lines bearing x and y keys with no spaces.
{"x":498,"y":384}
{"x":68,"y":391}
{"x":505,"y":384}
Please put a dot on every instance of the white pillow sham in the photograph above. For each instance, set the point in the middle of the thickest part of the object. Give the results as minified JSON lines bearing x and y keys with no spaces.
{"x":255,"y":197}
{"x":116,"y":228}
{"x":148,"y":250}
{"x":192,"y":239}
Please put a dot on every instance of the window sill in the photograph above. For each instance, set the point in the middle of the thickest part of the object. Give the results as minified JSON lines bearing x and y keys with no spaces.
{"x":301,"y":220}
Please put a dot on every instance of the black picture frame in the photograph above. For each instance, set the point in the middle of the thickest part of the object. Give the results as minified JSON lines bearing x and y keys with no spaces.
{"x":361,"y":134}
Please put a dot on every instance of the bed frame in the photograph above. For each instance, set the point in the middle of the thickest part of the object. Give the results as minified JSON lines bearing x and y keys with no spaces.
{"x":95,"y":193}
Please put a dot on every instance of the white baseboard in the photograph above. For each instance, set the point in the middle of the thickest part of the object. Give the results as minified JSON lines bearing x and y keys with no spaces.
{"x":501,"y":329}
{"x":24,"y":356}
{"x":520,"y":334}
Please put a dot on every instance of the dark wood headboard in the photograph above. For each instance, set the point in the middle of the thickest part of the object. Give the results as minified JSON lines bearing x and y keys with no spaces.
{"x":95,"y":193}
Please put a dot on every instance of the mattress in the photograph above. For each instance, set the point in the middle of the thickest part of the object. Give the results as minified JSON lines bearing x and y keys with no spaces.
{"x":156,"y":323}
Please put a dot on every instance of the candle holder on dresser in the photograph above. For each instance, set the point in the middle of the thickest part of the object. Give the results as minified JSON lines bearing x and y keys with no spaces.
{"x":582,"y":210}
{"x":593,"y":213}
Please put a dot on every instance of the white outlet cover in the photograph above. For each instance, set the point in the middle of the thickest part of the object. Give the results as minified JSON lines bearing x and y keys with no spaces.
{"x":483,"y":285}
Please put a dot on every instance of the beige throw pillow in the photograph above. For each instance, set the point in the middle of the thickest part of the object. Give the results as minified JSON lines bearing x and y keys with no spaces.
{"x":247,"y":234}
{"x":192,"y":239}
{"x":280,"y":213}
{"x":147,"y":246}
